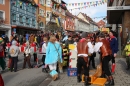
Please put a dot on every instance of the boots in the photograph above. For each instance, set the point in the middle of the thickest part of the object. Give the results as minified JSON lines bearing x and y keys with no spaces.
{"x":86,"y":83}
{"x":78,"y":79}
{"x":111,"y":81}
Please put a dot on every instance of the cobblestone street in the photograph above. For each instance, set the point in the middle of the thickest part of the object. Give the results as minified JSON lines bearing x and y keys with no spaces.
{"x":121,"y":76}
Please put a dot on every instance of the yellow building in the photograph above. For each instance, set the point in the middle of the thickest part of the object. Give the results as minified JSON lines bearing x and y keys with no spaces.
{"x":50,"y":12}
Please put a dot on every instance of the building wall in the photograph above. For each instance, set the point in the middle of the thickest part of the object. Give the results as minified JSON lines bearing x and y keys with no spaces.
{"x":20,"y":13}
{"x":82,"y":17}
{"x":6,"y":8}
{"x":101,"y":24}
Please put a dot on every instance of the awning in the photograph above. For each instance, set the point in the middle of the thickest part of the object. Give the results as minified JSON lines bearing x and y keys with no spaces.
{"x":115,"y":13}
{"x":27,"y":28}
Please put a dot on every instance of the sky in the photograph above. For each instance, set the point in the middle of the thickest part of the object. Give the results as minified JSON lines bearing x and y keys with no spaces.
{"x":97,"y":11}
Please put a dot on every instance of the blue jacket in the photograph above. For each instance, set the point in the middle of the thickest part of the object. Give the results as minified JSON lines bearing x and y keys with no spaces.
{"x":114,"y":45}
{"x":52,"y":54}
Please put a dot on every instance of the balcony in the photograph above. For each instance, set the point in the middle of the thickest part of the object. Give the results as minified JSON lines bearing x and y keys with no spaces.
{"x":14,"y":8}
{"x":56,"y":11}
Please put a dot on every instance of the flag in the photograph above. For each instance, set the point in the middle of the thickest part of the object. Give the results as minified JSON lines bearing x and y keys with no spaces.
{"x":57,"y":22}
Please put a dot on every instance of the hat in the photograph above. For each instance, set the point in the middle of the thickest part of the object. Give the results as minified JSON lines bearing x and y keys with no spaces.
{"x":1,"y":40}
{"x":84,"y":35}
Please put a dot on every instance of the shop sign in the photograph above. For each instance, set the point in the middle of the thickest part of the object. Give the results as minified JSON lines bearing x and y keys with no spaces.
{"x":119,"y":8}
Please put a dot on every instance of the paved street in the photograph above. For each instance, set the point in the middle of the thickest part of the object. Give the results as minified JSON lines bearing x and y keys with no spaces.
{"x":26,"y":77}
{"x":35,"y":76}
{"x":121,"y":76}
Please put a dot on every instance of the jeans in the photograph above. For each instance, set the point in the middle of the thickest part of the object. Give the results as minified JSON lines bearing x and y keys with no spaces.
{"x":14,"y":64}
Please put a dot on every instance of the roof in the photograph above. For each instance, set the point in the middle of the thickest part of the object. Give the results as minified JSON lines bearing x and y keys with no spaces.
{"x":63,"y":2}
{"x":69,"y":14}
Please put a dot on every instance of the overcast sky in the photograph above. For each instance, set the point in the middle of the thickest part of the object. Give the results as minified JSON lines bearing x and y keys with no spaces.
{"x":92,"y":11}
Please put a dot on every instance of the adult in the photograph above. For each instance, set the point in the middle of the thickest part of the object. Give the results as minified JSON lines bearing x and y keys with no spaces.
{"x":114,"y":48}
{"x":14,"y":51}
{"x":2,"y":62}
{"x":53,"y":55}
{"x":27,"y":56}
{"x":104,"y":46}
{"x":84,"y":47}
{"x":69,"y":41}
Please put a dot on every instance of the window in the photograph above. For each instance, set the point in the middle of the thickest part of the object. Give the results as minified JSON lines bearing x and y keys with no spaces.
{"x":48,"y":2}
{"x":21,"y":19}
{"x":33,"y":22}
{"x":41,"y":12}
{"x":2,"y":1}
{"x":42,"y":2}
{"x":27,"y":21}
{"x":1,"y":14}
{"x":13,"y":17}
{"x":48,"y":14}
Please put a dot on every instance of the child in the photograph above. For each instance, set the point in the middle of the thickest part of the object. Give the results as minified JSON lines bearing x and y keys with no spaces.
{"x":65,"y":55}
{"x":127,"y":49}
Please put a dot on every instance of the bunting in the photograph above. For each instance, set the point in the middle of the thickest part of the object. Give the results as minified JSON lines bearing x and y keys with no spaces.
{"x":88,"y":4}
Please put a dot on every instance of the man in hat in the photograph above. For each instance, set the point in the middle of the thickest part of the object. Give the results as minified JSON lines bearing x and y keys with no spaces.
{"x":2,"y":62}
{"x":104,"y":46}
{"x":84,"y":48}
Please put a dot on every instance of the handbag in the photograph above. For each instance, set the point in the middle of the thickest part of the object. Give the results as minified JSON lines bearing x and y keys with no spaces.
{"x":58,"y":54}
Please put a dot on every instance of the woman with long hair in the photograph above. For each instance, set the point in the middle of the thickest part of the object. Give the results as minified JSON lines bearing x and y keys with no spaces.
{"x":53,"y":55}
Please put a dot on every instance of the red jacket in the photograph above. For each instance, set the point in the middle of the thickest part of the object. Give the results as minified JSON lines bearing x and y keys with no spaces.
{"x":1,"y":81}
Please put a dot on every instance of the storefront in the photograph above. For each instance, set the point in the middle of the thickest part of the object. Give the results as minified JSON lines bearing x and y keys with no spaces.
{"x":23,"y":30}
{"x":120,"y":15}
{"x":5,"y":30}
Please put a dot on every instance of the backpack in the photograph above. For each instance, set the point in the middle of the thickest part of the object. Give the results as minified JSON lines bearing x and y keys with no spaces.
{"x":12,"y":51}
{"x":1,"y":48}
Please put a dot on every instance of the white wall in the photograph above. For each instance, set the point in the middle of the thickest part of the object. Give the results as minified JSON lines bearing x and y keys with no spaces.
{"x":82,"y":17}
{"x":81,"y":26}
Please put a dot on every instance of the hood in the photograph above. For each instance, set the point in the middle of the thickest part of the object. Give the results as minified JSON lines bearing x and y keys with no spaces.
{"x":14,"y":43}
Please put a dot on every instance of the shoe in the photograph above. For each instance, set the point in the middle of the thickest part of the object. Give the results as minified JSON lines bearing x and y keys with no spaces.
{"x":78,"y":79}
{"x":103,"y":76}
{"x":86,"y":83}
{"x":110,"y":83}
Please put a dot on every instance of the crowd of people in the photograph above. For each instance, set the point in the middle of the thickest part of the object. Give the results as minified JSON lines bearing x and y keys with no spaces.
{"x":55,"y":50}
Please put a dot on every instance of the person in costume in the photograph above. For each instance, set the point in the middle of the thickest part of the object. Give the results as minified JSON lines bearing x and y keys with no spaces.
{"x":84,"y":48}
{"x":2,"y":62}
{"x":104,"y":46}
{"x":114,"y":48}
{"x":127,"y":49}
{"x":53,"y":56}
{"x":65,"y":56}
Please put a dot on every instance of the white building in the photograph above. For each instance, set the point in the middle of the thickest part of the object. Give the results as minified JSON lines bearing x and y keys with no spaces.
{"x":81,"y":25}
